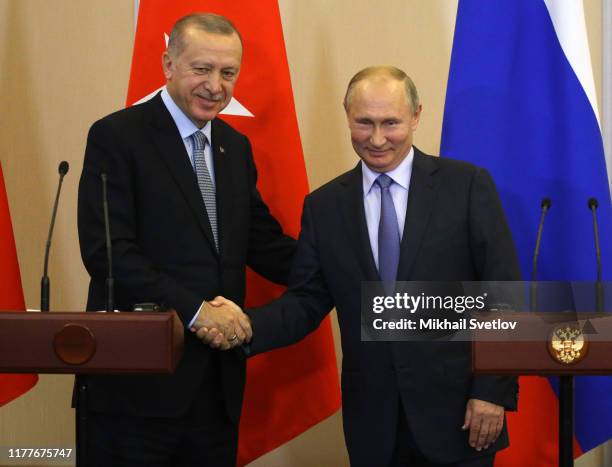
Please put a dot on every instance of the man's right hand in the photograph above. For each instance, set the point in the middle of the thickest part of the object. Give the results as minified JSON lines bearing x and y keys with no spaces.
{"x":222,"y":324}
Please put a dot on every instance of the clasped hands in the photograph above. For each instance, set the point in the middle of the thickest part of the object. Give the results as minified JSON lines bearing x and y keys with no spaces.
{"x":222,"y":324}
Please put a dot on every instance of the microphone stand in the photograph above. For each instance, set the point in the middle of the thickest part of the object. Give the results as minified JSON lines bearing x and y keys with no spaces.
{"x":45,"y":284}
{"x":566,"y":383}
{"x":533,"y":302}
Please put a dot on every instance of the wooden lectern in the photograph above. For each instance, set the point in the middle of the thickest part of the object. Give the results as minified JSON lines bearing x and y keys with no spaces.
{"x":536,"y":356}
{"x":89,"y":343}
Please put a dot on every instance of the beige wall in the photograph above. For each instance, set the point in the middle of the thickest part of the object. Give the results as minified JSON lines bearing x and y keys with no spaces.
{"x":65,"y":63}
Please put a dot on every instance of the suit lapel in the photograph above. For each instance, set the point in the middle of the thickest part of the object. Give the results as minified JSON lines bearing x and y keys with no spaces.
{"x":353,"y":213}
{"x":172,"y":151}
{"x":424,"y":185}
{"x":223,"y":182}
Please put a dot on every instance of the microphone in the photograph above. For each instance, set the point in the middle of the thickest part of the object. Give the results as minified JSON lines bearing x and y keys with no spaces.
{"x":110,"y":282}
{"x":44,"y":282}
{"x":545,"y":206}
{"x":599,"y":300}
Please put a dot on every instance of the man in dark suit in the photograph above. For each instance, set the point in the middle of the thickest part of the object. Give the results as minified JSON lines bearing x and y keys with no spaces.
{"x":186,"y":219}
{"x":398,"y":215}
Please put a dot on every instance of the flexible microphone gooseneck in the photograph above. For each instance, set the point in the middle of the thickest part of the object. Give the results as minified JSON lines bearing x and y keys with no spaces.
{"x":599,"y":295}
{"x":110,"y":282}
{"x":45,"y":284}
{"x":545,"y":206}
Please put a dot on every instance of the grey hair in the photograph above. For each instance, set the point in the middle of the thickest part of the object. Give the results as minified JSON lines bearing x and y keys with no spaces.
{"x":384,"y":71}
{"x":208,"y":22}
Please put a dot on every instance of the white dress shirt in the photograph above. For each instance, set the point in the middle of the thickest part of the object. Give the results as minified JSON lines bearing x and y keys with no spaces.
{"x":186,"y":128}
{"x":399,"y":192}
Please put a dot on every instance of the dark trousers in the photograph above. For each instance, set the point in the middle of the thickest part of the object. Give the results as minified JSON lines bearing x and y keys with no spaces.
{"x":406,"y":454}
{"x":203,"y":437}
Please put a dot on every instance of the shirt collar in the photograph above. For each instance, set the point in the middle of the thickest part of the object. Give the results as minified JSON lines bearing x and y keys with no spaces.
{"x":185,"y":126}
{"x":400,"y":175}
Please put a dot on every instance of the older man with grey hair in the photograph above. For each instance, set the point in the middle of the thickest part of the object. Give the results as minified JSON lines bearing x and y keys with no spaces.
{"x":186,"y":220}
{"x":398,"y":215}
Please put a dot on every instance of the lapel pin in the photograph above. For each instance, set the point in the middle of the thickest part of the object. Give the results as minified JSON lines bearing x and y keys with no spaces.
{"x":221,"y":149}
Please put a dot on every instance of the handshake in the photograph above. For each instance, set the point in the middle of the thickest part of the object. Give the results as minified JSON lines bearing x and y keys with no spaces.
{"x":222,"y":324}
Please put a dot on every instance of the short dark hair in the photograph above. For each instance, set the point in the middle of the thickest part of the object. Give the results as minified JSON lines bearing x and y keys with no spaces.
{"x":208,"y":22}
{"x":384,"y":71}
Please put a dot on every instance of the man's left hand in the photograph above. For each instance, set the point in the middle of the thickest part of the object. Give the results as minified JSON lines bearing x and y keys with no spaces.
{"x":485,"y":421}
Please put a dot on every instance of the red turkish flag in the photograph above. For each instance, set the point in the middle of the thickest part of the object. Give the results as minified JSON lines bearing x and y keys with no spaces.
{"x":288,"y":390}
{"x":11,"y":295}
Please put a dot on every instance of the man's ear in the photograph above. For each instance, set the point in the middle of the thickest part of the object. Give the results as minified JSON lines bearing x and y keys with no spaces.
{"x":167,"y":64}
{"x":416,"y":117}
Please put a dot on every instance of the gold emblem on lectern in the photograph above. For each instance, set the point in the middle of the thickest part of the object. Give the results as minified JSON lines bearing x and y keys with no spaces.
{"x":567,"y":343}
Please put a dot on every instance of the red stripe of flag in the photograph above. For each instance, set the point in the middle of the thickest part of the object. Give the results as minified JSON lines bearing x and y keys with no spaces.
{"x":11,"y":295}
{"x":292,"y":389}
{"x":534,"y":429}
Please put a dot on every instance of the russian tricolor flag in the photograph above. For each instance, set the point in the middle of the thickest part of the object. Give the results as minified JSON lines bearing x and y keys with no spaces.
{"x":521,"y":102}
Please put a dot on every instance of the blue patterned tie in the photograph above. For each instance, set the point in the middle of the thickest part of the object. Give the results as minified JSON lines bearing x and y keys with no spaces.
{"x":205,"y":183}
{"x":388,"y":232}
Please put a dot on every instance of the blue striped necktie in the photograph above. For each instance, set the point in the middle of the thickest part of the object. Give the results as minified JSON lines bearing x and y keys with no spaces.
{"x":388,"y":232}
{"x":205,"y":183}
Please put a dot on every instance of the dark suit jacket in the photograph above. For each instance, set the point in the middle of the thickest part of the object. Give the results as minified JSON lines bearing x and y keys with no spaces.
{"x":163,"y":248}
{"x":455,"y":230}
